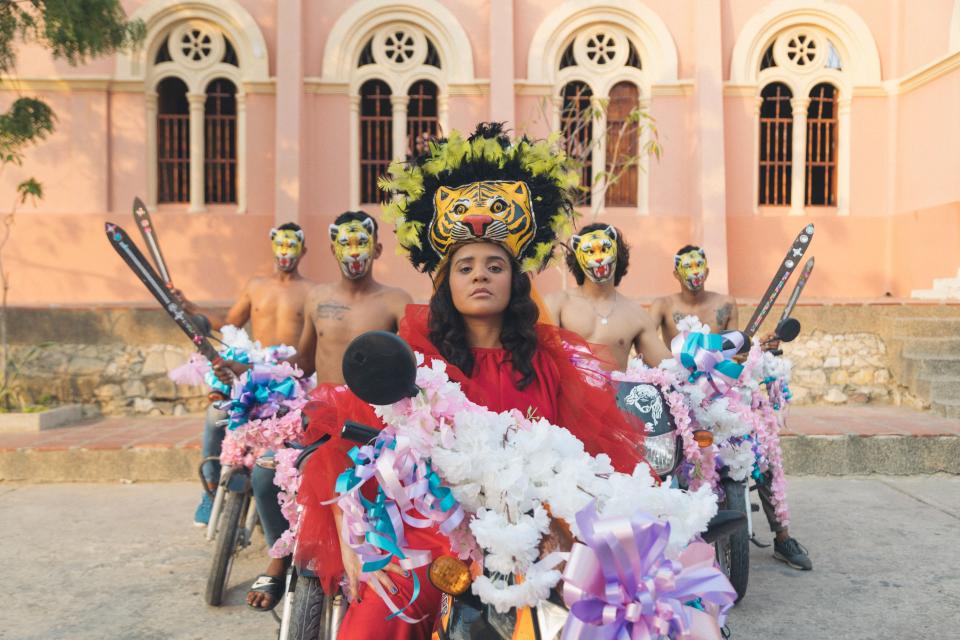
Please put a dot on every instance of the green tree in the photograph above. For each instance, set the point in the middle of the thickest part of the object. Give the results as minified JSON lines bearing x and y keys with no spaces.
{"x":75,"y":31}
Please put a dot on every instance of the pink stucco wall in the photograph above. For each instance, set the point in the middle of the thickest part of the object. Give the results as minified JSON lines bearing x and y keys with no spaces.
{"x":903,"y":229}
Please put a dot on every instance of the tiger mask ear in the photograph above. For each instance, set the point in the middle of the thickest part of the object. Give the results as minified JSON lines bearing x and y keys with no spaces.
{"x":273,"y":233}
{"x":612,"y":232}
{"x":443,"y":193}
{"x":368,"y":225}
{"x":575,"y":241}
{"x":334,"y":232}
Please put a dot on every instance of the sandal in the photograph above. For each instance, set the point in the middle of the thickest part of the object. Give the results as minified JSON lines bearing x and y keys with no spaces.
{"x":273,"y":586}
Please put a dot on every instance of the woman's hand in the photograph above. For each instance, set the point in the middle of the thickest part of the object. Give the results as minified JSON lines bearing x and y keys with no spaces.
{"x":352,"y":567}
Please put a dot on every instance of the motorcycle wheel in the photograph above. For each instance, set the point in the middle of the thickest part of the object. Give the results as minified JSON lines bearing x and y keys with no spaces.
{"x":733,"y":552}
{"x":306,"y":619}
{"x":228,"y":534}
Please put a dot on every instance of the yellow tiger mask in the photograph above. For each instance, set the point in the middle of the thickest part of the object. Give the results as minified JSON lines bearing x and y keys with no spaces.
{"x":499,"y":211}
{"x":596,"y":253}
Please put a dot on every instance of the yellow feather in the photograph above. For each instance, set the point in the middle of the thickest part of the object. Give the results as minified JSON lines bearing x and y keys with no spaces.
{"x":408,"y":233}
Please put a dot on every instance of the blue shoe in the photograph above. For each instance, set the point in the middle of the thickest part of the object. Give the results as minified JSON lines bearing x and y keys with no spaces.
{"x":201,"y":517}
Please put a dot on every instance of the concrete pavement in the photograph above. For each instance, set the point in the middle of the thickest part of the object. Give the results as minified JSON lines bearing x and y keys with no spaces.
{"x":95,"y":561}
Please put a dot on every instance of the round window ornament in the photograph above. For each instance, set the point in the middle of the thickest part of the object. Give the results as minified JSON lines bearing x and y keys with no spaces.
{"x":196,"y":45}
{"x":604,"y":48}
{"x":400,"y":46}
{"x":801,"y":49}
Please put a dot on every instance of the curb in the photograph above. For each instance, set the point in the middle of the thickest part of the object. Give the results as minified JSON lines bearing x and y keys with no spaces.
{"x":138,"y":464}
{"x":855,"y":455}
{"x":804,"y":455}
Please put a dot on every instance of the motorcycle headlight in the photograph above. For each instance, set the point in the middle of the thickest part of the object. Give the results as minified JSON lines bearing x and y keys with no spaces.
{"x":661,"y":452}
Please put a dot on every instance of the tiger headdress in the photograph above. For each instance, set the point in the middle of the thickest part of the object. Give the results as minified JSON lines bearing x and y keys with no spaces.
{"x":485,"y":187}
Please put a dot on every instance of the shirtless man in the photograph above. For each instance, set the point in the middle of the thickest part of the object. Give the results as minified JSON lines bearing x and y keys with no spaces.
{"x":335,"y":313}
{"x":274,"y":307}
{"x":720,"y":312}
{"x":595,"y":310}
{"x":715,"y":309}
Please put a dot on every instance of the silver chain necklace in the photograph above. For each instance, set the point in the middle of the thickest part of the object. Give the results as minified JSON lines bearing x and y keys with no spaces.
{"x":604,"y":319}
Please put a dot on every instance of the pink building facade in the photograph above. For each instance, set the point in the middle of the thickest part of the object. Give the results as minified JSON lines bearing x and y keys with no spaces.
{"x":235,"y":115}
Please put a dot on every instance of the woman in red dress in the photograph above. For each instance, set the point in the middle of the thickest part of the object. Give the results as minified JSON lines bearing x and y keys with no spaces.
{"x":482,"y":322}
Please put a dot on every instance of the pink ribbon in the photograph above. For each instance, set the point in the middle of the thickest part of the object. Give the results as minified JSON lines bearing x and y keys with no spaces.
{"x":620,"y":586}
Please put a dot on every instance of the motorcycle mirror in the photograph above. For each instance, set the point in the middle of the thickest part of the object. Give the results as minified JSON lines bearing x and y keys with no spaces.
{"x":380,"y":368}
{"x":788,"y":330}
{"x":728,"y":344}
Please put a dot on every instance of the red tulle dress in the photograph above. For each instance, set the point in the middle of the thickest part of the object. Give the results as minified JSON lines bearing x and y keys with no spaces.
{"x":560,"y":393}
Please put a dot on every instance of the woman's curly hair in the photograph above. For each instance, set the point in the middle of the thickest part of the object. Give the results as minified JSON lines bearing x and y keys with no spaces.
{"x":518,"y":336}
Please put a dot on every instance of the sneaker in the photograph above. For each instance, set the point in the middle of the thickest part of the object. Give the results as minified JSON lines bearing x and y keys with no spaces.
{"x":201,"y":517}
{"x":793,"y":554}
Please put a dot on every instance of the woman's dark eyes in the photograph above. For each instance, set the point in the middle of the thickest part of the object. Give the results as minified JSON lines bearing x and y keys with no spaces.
{"x":496,"y":269}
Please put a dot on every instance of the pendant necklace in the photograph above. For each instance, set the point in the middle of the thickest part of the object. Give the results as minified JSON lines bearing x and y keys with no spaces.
{"x":605,"y":318}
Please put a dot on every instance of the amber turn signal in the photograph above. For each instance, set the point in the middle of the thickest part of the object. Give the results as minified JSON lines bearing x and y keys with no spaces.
{"x":450,"y":575}
{"x":703,"y":438}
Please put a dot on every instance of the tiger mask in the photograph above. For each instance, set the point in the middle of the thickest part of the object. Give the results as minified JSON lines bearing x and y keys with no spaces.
{"x":499,"y":211}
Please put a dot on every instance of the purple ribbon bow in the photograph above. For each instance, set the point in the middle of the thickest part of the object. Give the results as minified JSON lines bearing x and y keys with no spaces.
{"x":620,"y":586}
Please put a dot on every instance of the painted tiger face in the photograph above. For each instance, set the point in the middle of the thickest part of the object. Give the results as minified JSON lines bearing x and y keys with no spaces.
{"x":596,"y":253}
{"x":692,"y":269}
{"x":499,"y":211}
{"x":287,"y":248}
{"x":353,"y":245}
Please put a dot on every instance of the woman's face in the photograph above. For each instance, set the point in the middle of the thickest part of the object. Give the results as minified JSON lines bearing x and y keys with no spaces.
{"x":480,"y":276}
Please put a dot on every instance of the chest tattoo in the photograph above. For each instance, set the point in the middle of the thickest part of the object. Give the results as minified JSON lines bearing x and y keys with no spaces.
{"x":723,"y":315}
{"x":677,"y":317}
{"x":332,"y":310}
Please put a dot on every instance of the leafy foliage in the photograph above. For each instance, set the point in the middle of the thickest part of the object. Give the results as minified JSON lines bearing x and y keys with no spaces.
{"x":73,"y":30}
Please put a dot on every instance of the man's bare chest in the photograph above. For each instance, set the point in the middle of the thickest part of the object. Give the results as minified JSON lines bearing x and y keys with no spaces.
{"x":717,"y":315}
{"x":339,"y":320}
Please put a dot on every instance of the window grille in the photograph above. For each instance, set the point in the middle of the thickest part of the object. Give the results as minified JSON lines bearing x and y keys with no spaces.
{"x":173,"y":142}
{"x":422,"y":122}
{"x":220,"y":143}
{"x":376,"y":137}
{"x":776,"y":145}
{"x":821,"y":163}
{"x":622,"y":145}
{"x":576,"y":123}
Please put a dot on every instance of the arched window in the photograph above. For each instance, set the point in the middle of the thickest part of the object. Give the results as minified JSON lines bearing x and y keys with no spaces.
{"x":376,"y":137}
{"x":197,"y":134}
{"x":623,"y":142}
{"x":776,"y":145}
{"x":422,"y":119}
{"x":576,"y":124}
{"x":821,"y":165}
{"x":220,"y":142}
{"x":173,"y":142}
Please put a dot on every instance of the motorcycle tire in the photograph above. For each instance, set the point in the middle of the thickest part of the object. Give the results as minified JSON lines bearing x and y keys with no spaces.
{"x":228,"y":534}
{"x":306,"y":618}
{"x":733,"y":552}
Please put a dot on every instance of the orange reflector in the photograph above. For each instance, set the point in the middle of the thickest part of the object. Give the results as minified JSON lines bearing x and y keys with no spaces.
{"x":703,"y":438}
{"x":450,"y":575}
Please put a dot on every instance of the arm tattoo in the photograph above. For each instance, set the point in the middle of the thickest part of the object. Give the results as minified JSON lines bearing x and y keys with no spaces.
{"x":333,"y":310}
{"x":723,"y":315}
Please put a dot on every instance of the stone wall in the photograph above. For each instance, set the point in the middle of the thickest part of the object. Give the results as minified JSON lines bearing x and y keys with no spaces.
{"x":115,"y":360}
{"x":107,"y":378}
{"x":840,"y":368}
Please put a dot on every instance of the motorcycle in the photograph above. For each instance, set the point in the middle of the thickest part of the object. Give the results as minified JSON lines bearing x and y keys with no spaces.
{"x":463,"y":615}
{"x":733,"y":552}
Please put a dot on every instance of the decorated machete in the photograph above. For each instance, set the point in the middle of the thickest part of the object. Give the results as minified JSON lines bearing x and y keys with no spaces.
{"x":783,"y":274}
{"x":121,"y":242}
{"x":142,"y":217}
{"x":797,"y":289}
